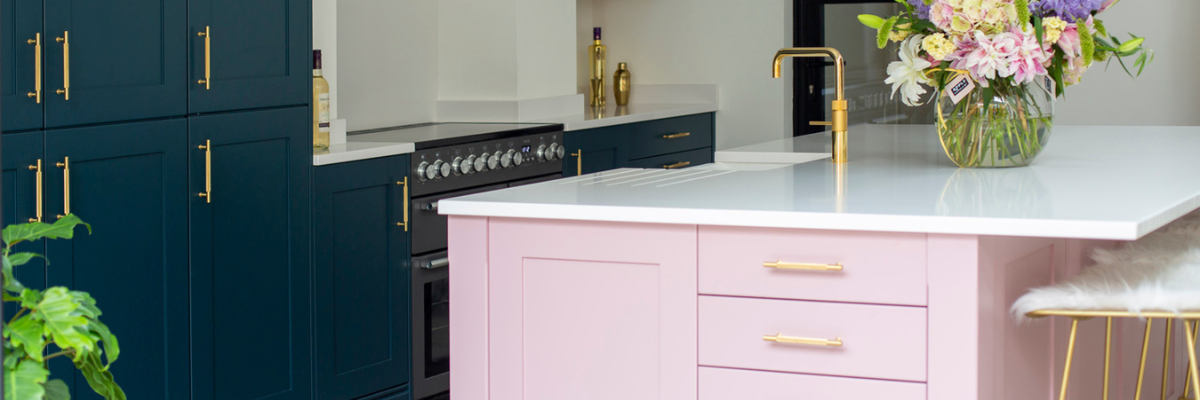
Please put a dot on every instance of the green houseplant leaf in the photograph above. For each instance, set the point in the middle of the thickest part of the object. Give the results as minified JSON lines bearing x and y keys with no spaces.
{"x":100,"y":379}
{"x":57,"y":390}
{"x":25,"y":381}
{"x":64,"y":323}
{"x":26,"y":332}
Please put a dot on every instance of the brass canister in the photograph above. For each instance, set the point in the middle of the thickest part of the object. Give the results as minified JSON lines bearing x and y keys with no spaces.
{"x":622,"y":84}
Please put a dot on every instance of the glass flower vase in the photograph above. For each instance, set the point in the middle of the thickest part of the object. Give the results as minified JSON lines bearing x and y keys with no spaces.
{"x":997,"y":127}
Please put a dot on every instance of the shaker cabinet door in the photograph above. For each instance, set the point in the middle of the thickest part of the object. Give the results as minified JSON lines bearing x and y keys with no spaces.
{"x":250,"y":254}
{"x":255,"y":54}
{"x":22,"y":153}
{"x":129,"y":182}
{"x":114,"y":60}
{"x":362,"y":278}
{"x":21,"y":22}
{"x":602,"y":149}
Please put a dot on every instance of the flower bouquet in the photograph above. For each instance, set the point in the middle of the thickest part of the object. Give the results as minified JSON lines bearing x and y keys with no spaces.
{"x":997,"y":66}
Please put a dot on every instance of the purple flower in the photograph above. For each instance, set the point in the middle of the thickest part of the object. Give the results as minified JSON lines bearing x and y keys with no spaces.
{"x":920,"y":8}
{"x":1069,"y":10}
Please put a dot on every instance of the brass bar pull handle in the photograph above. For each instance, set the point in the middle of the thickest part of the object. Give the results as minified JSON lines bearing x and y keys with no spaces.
{"x":820,"y":123}
{"x":578,"y":162}
{"x":677,"y":135}
{"x":802,"y":266}
{"x":207,"y":81}
{"x":66,"y":166}
{"x":404,"y":183}
{"x":66,"y":41}
{"x":207,"y":194}
{"x":780,"y":338}
{"x":677,"y":165}
{"x":37,"y":67}
{"x":37,"y":168}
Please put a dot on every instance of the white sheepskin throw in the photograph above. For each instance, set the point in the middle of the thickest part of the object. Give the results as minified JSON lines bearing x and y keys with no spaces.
{"x":1160,"y":272}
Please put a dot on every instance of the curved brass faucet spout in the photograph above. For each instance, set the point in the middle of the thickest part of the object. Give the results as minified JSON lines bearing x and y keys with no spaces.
{"x":841,"y":116}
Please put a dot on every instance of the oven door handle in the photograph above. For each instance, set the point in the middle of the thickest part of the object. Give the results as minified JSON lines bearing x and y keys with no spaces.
{"x":436,"y":263}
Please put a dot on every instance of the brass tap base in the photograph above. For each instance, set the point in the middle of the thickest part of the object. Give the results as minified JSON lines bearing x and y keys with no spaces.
{"x":840,"y":147}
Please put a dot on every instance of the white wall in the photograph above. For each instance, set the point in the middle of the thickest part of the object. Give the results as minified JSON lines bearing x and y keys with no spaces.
{"x":1167,"y":93}
{"x":727,"y":43}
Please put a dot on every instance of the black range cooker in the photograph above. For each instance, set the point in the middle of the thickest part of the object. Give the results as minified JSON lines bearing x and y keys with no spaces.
{"x":451,"y":160}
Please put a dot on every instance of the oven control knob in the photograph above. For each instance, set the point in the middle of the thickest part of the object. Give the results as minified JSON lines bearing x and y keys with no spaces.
{"x":456,"y":166}
{"x":445,"y":170}
{"x":518,"y":158}
{"x":468,"y":167}
{"x":494,"y":162}
{"x":542,"y":154}
{"x":421,"y":170}
{"x":481,"y":163}
{"x":552,"y":152}
{"x":560,"y":152}
{"x":433,"y":171}
{"x":506,"y":160}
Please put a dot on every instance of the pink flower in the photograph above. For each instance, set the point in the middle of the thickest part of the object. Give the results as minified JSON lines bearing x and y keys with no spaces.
{"x":1029,"y":58}
{"x":1069,"y":41}
{"x":991,"y":56}
{"x":1107,"y":4}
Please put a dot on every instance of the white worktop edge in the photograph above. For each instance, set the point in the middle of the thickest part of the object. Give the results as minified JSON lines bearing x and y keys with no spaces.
{"x":575,"y":123}
{"x":338,"y":153}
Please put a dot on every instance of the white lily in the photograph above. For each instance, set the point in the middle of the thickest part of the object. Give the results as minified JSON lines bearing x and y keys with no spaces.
{"x":908,"y":74}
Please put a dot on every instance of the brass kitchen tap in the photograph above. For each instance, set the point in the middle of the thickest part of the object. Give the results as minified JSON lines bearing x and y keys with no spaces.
{"x":841,"y":116}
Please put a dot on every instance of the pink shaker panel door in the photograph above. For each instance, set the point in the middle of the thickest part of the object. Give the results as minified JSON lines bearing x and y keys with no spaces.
{"x":885,"y":342}
{"x":468,"y":244}
{"x":732,"y":384}
{"x":876,"y":267}
{"x":589,"y":310}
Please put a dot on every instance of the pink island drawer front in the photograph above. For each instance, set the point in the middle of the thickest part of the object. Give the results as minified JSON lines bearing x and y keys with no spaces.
{"x":725,"y":384}
{"x":856,"y":267}
{"x":867,"y":341}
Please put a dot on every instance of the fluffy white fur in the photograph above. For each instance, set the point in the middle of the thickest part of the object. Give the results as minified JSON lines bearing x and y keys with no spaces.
{"x":1160,"y":272}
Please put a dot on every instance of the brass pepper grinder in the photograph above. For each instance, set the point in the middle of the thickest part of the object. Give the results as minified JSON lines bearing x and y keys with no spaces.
{"x":621,"y":84}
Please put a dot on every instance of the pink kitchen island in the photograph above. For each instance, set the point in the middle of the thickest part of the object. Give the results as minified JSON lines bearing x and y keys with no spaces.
{"x":889,"y":277}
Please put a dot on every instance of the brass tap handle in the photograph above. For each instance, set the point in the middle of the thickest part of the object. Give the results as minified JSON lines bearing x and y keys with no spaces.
{"x":404,"y":183}
{"x":66,"y":42}
{"x":37,"y":169}
{"x":207,"y":194}
{"x":578,"y":162}
{"x":780,"y":338}
{"x":66,"y":166}
{"x":37,"y":68}
{"x":207,"y":81}
{"x":820,"y":123}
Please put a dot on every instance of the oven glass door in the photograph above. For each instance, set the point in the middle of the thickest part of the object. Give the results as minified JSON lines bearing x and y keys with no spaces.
{"x":431,"y":323}
{"x":834,"y":23}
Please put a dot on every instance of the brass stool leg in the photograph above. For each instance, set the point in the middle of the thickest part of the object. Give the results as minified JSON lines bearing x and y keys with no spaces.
{"x":1166,"y":357}
{"x":1107,"y":353}
{"x":1191,"y":342}
{"x":1070,"y":352}
{"x":1187,"y":382}
{"x":1142,"y":367}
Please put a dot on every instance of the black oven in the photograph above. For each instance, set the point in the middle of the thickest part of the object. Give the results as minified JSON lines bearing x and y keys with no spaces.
{"x":834,"y":23}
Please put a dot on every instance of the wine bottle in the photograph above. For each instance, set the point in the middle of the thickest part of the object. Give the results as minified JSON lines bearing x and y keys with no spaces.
{"x":320,"y":105}
{"x":596,"y":55}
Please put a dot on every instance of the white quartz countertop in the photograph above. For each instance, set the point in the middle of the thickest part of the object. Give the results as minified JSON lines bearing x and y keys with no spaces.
{"x":612,"y":114}
{"x":1116,"y":183}
{"x":354,"y":151}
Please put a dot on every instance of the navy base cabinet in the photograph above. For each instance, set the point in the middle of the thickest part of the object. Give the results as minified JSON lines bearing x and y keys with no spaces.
{"x":250,"y":254}
{"x":361,"y":261}
{"x":127,"y":181}
{"x":670,"y":143}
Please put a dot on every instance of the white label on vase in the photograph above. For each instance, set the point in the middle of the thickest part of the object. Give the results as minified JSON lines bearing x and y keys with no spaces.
{"x":1051,"y":86}
{"x":960,"y":87}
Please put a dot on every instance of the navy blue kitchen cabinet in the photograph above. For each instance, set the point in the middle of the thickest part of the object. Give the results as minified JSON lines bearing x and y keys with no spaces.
{"x":22,"y":156}
{"x":666,"y":143}
{"x":21,"y":21}
{"x":361,"y":262}
{"x":129,"y":182}
{"x":114,"y":60}
{"x":394,"y":394}
{"x":254,"y":54}
{"x":249,"y":189}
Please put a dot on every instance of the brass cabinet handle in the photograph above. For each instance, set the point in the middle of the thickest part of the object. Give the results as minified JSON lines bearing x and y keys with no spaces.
{"x":677,"y":135}
{"x":37,"y":67}
{"x":207,"y":194}
{"x":37,"y":169}
{"x":66,"y":41}
{"x":405,"y":216}
{"x":802,"y":266}
{"x":779,"y":338}
{"x":207,"y":58}
{"x":578,"y":162}
{"x":677,"y":165}
{"x":66,"y":166}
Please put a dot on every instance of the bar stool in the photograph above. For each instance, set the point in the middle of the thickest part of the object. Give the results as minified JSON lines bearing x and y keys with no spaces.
{"x":1156,"y":277}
